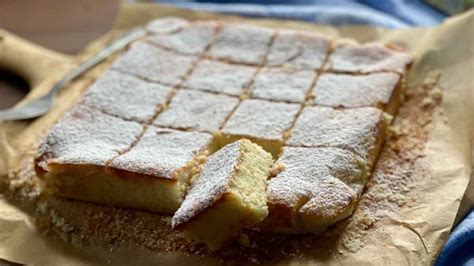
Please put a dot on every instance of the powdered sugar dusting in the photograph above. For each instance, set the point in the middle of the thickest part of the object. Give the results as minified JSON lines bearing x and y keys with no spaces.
{"x":154,"y":64}
{"x":166,"y":25}
{"x":282,"y":84}
{"x":299,"y":49}
{"x":354,"y":129}
{"x":211,"y":184}
{"x":350,"y":56}
{"x":341,"y":90}
{"x":261,"y":119}
{"x":220,"y":77}
{"x":190,"y":40}
{"x":160,"y":152}
{"x":86,"y":136}
{"x":242,"y":44}
{"x":126,"y":96}
{"x":197,"y":110}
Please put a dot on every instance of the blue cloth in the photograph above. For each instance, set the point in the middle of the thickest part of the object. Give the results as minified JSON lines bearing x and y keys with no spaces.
{"x":384,"y":13}
{"x":459,"y":249}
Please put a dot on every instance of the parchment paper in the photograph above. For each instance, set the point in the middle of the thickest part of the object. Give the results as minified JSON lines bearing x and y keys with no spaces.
{"x":408,"y":229}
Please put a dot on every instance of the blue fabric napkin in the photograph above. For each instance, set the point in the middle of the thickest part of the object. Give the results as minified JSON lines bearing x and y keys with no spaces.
{"x":459,"y":249}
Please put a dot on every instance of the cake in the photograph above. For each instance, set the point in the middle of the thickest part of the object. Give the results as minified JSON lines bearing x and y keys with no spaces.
{"x":283,"y":84}
{"x":299,"y":49}
{"x":360,"y":130}
{"x":381,"y":90}
{"x":154,"y":64}
{"x":242,"y":44}
{"x":126,"y":96}
{"x":228,"y":195}
{"x":122,"y":168}
{"x":262,"y":122}
{"x":317,"y":187}
{"x":350,"y":56}
{"x":220,"y":77}
{"x":197,"y":110}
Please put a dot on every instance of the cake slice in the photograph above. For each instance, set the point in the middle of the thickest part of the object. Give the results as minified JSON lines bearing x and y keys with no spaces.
{"x":197,"y":110}
{"x":349,"y":56}
{"x":299,"y":49}
{"x":189,"y":40}
{"x":381,"y":90}
{"x":262,"y":122}
{"x":360,"y":130}
{"x":220,"y":77}
{"x":154,"y":64}
{"x":282,"y":84}
{"x":127,"y":96}
{"x":317,"y":187}
{"x":242,"y":44}
{"x":227,"y":196}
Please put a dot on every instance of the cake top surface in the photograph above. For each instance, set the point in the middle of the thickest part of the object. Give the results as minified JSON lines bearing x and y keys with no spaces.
{"x":212,"y":183}
{"x":190,"y":40}
{"x":315,"y":174}
{"x":350,"y":56}
{"x":220,"y":77}
{"x":197,"y":110}
{"x":87,"y":136}
{"x":282,"y":84}
{"x":261,"y":119}
{"x":299,"y":49}
{"x":154,"y":64}
{"x":353,"y":129}
{"x":342,"y":90}
{"x":161,"y":152}
{"x":166,"y":25}
{"x":126,"y":96}
{"x":242,"y":44}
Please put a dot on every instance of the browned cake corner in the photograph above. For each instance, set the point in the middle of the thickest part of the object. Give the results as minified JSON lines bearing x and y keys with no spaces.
{"x":317,"y":187}
{"x":228,"y":195}
{"x":381,"y":90}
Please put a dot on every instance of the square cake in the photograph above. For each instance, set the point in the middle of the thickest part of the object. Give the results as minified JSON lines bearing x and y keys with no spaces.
{"x":381,"y":90}
{"x":360,"y":130}
{"x":220,"y":77}
{"x":262,"y":122}
{"x":228,"y":195}
{"x":283,"y":84}
{"x":127,"y":96}
{"x":197,"y":110}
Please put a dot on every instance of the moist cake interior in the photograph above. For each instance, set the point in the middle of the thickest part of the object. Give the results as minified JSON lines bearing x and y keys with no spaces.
{"x":142,"y":133}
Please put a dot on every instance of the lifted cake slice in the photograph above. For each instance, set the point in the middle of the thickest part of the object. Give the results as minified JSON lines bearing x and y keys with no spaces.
{"x":227,"y":196}
{"x":316,"y":188}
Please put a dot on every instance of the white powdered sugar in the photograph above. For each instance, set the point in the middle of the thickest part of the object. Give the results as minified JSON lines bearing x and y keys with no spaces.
{"x":282,"y":84}
{"x":242,"y":44}
{"x":299,"y":49}
{"x":211,"y":185}
{"x":220,"y":77}
{"x":197,"y":110}
{"x":126,"y":96}
{"x":190,"y":40}
{"x":261,"y":119}
{"x":87,"y":136}
{"x":160,"y":152}
{"x":166,"y":25}
{"x":350,"y":56}
{"x":154,"y":64}
{"x":354,"y":129}
{"x":341,"y":90}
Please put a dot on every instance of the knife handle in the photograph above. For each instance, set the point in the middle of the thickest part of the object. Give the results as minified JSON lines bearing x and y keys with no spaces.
{"x":28,"y":60}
